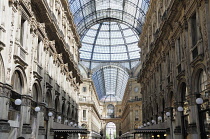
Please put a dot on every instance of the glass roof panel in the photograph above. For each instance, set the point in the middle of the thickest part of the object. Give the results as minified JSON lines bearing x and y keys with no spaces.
{"x":91,"y":12}
{"x":110,"y":82}
{"x":113,"y":42}
{"x":109,"y":31}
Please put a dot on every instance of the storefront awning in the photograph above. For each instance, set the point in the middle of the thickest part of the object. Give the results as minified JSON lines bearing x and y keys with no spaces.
{"x":57,"y":127}
{"x":148,"y":131}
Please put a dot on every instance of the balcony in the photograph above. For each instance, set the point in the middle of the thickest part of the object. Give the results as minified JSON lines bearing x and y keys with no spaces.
{"x":37,"y":71}
{"x":20,"y":55}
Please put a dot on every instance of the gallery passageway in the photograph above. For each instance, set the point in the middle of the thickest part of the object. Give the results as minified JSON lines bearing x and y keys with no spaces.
{"x":104,"y":69}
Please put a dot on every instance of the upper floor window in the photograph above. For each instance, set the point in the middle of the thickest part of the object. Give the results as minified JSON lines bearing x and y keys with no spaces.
{"x":178,"y":50}
{"x":136,"y":114}
{"x":38,"y":50}
{"x":84,"y":89}
{"x":35,"y":92}
{"x":18,"y":83}
{"x":48,"y":99}
{"x":136,"y":89}
{"x":202,"y":81}
{"x":84,"y":114}
{"x":22,"y":30}
{"x":194,"y":30}
{"x":110,"y":111}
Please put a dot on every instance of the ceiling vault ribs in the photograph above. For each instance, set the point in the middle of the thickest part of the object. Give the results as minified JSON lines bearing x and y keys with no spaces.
{"x":94,"y":43}
{"x":109,"y":31}
{"x":125,"y":45}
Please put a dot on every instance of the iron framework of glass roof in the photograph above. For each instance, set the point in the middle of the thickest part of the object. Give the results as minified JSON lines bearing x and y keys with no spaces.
{"x":109,"y":31}
{"x":110,"y":42}
{"x":110,"y":82}
{"x":89,"y":12}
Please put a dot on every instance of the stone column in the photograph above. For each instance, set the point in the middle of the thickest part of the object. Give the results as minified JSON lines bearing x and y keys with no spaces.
{"x":4,"y":107}
{"x":40,"y":124}
{"x":50,"y":133}
{"x":193,"y":127}
{"x":25,"y":129}
{"x":178,"y":124}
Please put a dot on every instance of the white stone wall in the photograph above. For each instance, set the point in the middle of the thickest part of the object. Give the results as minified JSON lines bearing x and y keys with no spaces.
{"x":40,"y":59}
{"x":88,"y":101}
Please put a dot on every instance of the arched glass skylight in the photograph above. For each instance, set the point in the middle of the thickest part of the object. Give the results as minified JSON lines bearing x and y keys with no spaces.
{"x":109,"y":31}
{"x":110,"y":42}
{"x":89,"y":12}
{"x":110,"y":83}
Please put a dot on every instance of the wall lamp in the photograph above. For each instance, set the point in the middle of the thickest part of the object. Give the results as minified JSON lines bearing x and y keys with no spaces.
{"x":153,"y":121}
{"x":50,"y":114}
{"x":71,"y":123}
{"x":198,"y":101}
{"x":159,"y":118}
{"x":37,"y":109}
{"x":168,"y":114}
{"x":59,"y":117}
{"x":18,"y":102}
{"x":180,"y":109}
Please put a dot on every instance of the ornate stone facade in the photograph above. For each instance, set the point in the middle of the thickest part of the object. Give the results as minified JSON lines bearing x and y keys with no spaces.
{"x":39,"y":65}
{"x":175,"y":67}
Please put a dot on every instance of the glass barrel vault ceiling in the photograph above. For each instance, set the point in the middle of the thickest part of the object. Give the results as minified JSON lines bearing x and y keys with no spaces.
{"x":110,"y":42}
{"x":89,"y":12}
{"x":110,"y":83}
{"x":109,"y":31}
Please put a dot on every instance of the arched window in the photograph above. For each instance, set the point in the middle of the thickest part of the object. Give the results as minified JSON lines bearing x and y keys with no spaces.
{"x":57,"y":108}
{"x":48,"y":99}
{"x":63,"y":108}
{"x":110,"y":111}
{"x":172,"y":100}
{"x":2,"y":74}
{"x":72,"y":111}
{"x":35,"y":93}
{"x":18,"y":83}
{"x":202,"y":81}
{"x":68,"y":112}
{"x":57,"y":104}
{"x":183,"y":92}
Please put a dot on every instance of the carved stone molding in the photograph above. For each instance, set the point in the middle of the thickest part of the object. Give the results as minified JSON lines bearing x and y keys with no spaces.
{"x":26,"y":100}
{"x":19,"y":60}
{"x":5,"y":90}
{"x":5,"y":127}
